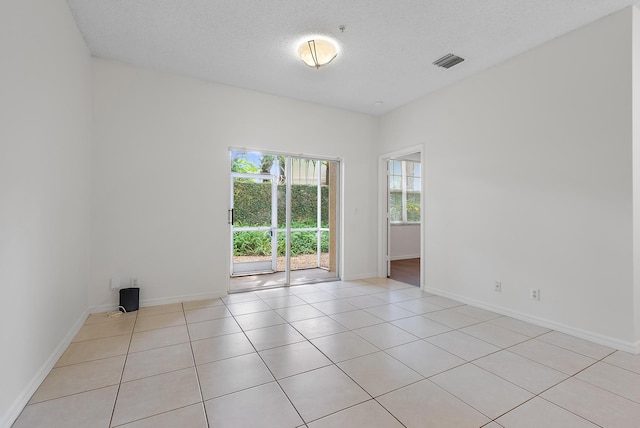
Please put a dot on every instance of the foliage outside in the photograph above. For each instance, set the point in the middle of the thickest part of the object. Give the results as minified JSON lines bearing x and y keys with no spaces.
{"x":242,"y":164}
{"x":412,"y":207}
{"x":252,"y":208}
{"x":258,"y":243}
{"x":252,"y":204}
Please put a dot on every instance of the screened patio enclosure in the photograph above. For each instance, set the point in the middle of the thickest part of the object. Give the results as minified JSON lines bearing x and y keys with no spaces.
{"x":283,"y":220}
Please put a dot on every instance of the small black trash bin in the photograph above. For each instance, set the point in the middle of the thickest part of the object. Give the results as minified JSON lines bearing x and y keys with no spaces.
{"x":130,"y":298}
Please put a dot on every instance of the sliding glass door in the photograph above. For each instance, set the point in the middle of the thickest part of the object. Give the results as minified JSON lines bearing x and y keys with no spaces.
{"x":283,"y":218}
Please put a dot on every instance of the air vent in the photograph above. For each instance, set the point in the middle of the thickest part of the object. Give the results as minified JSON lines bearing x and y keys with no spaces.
{"x":448,"y":61}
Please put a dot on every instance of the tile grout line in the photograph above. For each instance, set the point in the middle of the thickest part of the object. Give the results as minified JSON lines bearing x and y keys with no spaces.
{"x":346,"y":374}
{"x":574,"y":376}
{"x":500,"y":350}
{"x":309,"y":341}
{"x":385,"y":351}
{"x":158,"y":374}
{"x":494,"y":374}
{"x":265,"y":364}
{"x":332,"y":364}
{"x":354,"y":380}
{"x":195,"y":367}
{"x":124,"y":365}
{"x":538,"y":395}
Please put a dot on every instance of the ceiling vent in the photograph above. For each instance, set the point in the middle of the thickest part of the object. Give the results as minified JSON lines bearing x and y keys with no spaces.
{"x":448,"y":61}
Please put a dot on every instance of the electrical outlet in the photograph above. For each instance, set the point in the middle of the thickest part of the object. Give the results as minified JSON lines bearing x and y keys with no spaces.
{"x":497,"y":286}
{"x":134,"y":282}
{"x":535,"y":294}
{"x":115,"y":283}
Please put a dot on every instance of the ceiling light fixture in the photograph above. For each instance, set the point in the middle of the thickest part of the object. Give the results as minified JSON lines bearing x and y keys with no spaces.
{"x":317,"y":52}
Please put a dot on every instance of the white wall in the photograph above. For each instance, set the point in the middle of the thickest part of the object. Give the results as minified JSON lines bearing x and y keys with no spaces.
{"x":404,"y":241}
{"x":45,"y":119}
{"x":636,"y":165}
{"x":528,"y":180}
{"x":160,"y":176}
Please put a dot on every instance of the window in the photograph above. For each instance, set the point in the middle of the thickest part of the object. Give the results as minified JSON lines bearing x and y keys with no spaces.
{"x":405,"y":181}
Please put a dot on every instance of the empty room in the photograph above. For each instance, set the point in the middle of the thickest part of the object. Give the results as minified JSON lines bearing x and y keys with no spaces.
{"x":318,"y":214}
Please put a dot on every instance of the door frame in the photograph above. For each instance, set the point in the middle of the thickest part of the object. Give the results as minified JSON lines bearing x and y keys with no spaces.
{"x":338,"y":229}
{"x":383,"y":215}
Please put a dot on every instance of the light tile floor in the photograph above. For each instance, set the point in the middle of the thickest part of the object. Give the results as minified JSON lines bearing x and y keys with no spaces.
{"x":371,"y":353}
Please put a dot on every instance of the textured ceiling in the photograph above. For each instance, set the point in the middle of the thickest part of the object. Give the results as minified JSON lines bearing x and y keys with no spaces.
{"x":385,"y":54}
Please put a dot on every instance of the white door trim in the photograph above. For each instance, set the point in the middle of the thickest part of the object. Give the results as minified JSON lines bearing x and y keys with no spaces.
{"x":383,"y":240}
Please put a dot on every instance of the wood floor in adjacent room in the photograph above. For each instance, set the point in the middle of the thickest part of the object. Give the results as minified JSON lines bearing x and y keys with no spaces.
{"x":406,"y":270}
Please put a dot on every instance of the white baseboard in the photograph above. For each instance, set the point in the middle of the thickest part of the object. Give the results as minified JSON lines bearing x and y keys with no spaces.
{"x":627,"y":346}
{"x":360,"y":276}
{"x":21,"y":401}
{"x":405,"y":257}
{"x":18,"y":405}
{"x":159,"y":301}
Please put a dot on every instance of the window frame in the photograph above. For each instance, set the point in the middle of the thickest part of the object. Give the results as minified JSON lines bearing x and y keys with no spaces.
{"x":404,"y":188}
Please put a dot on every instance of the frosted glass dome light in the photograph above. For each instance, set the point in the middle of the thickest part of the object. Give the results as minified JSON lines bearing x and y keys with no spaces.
{"x":317,"y":52}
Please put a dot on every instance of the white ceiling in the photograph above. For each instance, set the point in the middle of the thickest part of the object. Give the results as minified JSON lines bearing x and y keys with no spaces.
{"x":386,"y":51}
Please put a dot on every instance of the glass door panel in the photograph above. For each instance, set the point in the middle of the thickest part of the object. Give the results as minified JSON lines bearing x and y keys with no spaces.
{"x":253,"y":224}
{"x":314,"y":220}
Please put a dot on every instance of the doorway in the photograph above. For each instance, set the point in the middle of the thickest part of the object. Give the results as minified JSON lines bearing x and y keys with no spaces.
{"x":283,"y":220}
{"x":401,"y":218}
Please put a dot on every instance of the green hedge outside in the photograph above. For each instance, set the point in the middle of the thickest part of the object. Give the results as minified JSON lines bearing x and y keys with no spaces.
{"x":255,"y":243}
{"x":252,"y":207}
{"x":252,"y":204}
